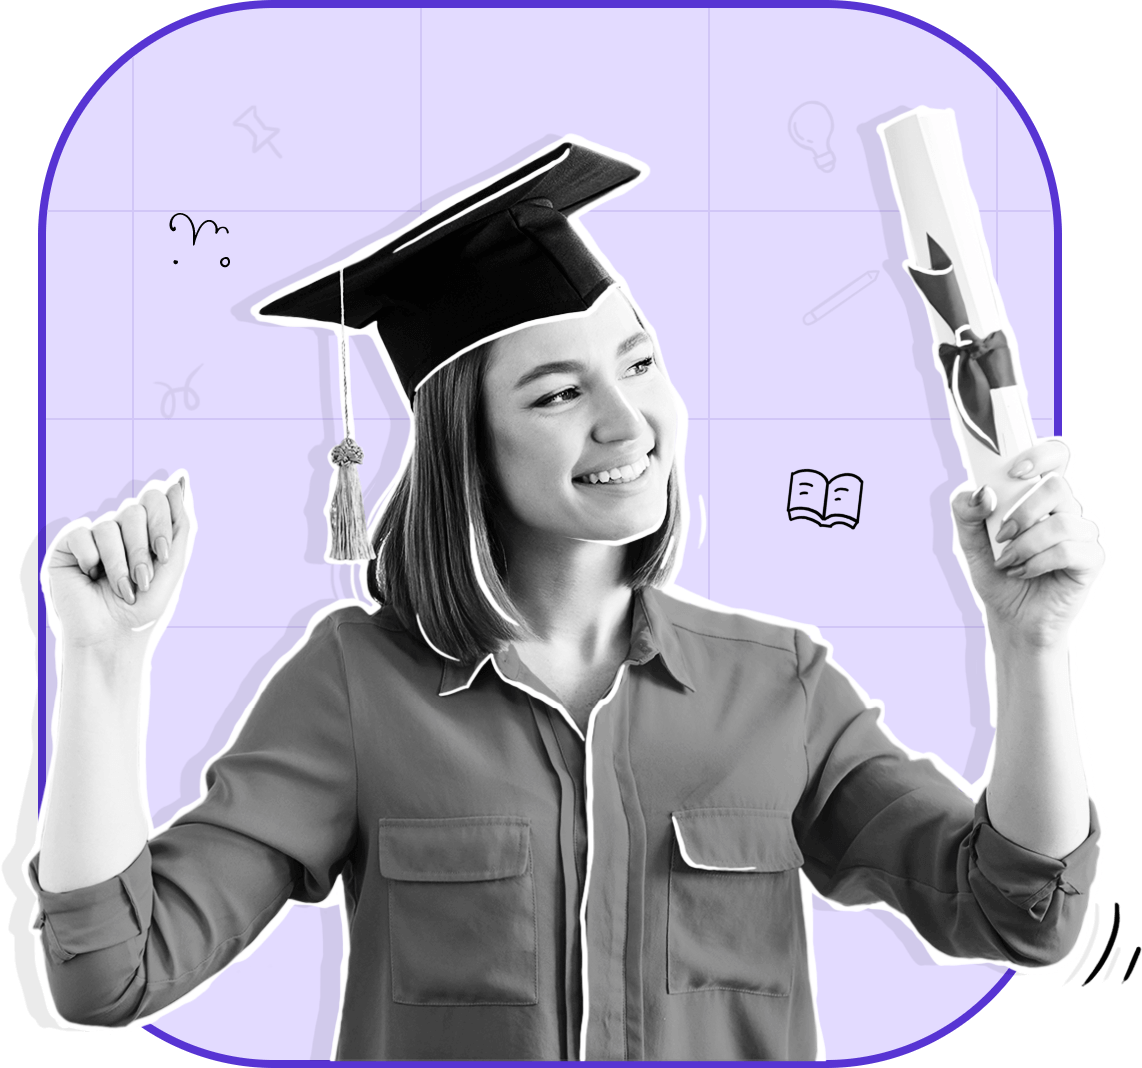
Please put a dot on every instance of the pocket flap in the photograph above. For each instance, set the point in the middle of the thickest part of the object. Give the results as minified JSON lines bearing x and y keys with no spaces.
{"x":736,"y":839}
{"x":460,"y":850}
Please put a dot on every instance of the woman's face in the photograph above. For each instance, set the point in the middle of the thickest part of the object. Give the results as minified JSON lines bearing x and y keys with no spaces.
{"x":582,"y":422}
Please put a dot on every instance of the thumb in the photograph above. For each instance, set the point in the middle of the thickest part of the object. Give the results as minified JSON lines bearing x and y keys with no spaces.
{"x":970,"y":511}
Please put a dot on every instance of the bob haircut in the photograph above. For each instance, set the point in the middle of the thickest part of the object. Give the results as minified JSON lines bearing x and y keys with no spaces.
{"x":439,"y":526}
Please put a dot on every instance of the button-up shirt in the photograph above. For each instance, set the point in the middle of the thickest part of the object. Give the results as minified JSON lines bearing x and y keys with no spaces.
{"x":520,"y":889}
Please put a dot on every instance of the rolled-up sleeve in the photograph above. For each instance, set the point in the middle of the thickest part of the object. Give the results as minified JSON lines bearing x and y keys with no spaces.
{"x":278,"y":821}
{"x":877,"y":825}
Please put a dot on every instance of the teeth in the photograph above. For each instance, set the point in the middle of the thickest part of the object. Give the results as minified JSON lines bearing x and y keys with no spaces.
{"x":626,"y":473}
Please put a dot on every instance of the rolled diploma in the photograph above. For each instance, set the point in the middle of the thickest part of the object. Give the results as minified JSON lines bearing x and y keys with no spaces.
{"x":931,"y":185}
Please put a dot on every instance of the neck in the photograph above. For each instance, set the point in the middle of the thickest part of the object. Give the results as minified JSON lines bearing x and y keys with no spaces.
{"x":572,"y":594}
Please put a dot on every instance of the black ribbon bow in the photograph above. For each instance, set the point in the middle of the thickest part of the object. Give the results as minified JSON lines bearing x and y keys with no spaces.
{"x":974,"y":367}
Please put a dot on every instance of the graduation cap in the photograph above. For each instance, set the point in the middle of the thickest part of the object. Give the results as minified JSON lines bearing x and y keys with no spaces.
{"x":490,"y":260}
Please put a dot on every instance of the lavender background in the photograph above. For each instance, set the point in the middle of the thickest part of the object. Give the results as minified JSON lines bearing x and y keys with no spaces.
{"x":735,"y":235}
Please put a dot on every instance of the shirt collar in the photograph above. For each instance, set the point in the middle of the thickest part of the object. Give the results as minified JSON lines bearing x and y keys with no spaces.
{"x":652,"y":634}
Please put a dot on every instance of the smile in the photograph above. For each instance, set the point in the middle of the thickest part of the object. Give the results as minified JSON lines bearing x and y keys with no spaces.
{"x":618,"y":475}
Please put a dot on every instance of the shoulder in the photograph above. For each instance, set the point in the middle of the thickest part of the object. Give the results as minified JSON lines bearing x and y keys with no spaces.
{"x":702,"y":618}
{"x":719,"y":634}
{"x":339,"y":632}
{"x":349,"y":620}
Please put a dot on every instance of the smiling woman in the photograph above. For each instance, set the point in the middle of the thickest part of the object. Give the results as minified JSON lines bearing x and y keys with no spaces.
{"x":568,"y":804}
{"x":479,"y":434}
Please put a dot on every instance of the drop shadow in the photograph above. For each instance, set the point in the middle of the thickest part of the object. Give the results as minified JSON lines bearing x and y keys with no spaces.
{"x":330,"y":984}
{"x":979,"y":707}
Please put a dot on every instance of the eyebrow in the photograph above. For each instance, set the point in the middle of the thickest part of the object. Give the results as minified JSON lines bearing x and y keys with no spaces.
{"x":555,"y":367}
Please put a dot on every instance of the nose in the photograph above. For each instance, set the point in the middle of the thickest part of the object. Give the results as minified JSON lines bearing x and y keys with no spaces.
{"x":616,"y":418}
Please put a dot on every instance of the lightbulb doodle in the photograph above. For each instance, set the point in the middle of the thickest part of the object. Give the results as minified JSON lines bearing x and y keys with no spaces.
{"x":835,"y":300}
{"x":169,"y":402}
{"x":196,"y":230}
{"x":811,"y":126}
{"x":264,"y":135}
{"x":828,"y":502}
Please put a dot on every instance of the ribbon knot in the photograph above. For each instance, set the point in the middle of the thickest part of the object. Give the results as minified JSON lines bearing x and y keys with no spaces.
{"x":973,"y":366}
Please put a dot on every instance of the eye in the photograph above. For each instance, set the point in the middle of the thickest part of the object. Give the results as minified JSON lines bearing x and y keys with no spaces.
{"x":563,"y":395}
{"x":641,"y":367}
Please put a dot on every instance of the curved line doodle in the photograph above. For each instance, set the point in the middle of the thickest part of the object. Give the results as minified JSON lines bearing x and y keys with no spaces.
{"x":190,"y":396}
{"x":1133,"y":961}
{"x":195,"y":230}
{"x":1109,"y":946}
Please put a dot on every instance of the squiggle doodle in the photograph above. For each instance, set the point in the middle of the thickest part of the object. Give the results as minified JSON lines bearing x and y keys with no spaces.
{"x":190,"y":397}
{"x":195,"y":230}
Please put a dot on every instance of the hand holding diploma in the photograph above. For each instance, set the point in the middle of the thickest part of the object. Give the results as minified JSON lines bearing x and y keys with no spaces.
{"x":1050,"y":556}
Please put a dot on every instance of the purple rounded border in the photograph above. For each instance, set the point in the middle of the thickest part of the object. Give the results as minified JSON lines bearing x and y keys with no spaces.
{"x":845,"y":1062}
{"x":41,"y":430}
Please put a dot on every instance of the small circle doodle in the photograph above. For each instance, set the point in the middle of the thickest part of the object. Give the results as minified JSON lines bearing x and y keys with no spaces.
{"x":225,"y":261}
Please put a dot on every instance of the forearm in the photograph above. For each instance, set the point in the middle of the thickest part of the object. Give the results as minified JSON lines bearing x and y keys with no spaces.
{"x":1037,"y":795}
{"x":95,"y":820}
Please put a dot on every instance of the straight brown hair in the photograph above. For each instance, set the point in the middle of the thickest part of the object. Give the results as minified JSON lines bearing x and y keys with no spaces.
{"x":423,"y":541}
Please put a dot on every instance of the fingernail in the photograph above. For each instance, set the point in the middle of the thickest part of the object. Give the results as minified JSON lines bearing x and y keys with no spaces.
{"x":1022,"y":469}
{"x":977,"y":497}
{"x":162,"y":549}
{"x":93,"y":574}
{"x":1007,"y":530}
{"x":125,"y":590}
{"x":182,"y":482}
{"x":1017,"y":572}
{"x":143,"y":577}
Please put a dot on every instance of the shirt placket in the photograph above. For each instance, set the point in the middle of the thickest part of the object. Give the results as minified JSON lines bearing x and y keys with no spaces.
{"x":595,"y":887}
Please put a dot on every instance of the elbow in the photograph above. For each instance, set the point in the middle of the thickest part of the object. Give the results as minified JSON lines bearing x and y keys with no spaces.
{"x":85,"y":997}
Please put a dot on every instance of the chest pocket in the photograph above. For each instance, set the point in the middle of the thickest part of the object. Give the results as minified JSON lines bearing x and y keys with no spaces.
{"x":734,"y":918}
{"x":461,"y":910}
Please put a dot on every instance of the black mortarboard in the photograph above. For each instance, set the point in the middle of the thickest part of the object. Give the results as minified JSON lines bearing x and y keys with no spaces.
{"x":497,"y":257}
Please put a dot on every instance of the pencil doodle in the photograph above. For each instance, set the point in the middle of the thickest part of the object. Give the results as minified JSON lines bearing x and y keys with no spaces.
{"x":169,"y":401}
{"x":835,"y":300}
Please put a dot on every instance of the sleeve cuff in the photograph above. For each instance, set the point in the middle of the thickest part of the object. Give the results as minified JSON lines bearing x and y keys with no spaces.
{"x":95,"y":917}
{"x":1029,"y":880}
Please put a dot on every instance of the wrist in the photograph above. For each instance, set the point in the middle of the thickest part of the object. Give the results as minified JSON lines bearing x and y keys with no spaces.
{"x":1035,"y":644}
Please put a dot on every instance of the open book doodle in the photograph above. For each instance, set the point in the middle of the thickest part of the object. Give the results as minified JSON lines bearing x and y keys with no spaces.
{"x":826,"y":501}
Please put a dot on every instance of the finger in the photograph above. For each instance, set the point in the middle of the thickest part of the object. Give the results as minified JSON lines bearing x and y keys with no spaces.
{"x":113,"y":558}
{"x":179,"y":508}
{"x":132,"y":520}
{"x":970,"y":511}
{"x":1050,"y":495}
{"x":1051,"y":531}
{"x":80,"y":544}
{"x":1075,"y":557}
{"x":1049,"y":455}
{"x":160,"y":529}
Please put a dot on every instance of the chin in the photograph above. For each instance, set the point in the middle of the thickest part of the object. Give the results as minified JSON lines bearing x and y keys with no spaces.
{"x":625,"y":533}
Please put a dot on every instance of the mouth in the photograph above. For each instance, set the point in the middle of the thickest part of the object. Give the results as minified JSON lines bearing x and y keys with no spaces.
{"x":617,"y":476}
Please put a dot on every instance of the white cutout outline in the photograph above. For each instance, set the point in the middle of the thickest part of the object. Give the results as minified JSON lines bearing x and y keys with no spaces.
{"x":690,"y":860}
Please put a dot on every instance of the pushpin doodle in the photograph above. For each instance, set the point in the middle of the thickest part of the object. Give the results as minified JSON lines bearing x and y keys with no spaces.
{"x":825,"y":501}
{"x":262,"y":136}
{"x":196,"y":230}
{"x":811,"y":126}
{"x":170,"y":399}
